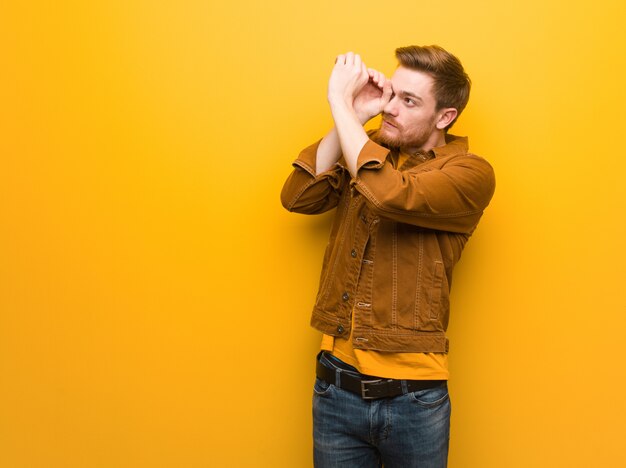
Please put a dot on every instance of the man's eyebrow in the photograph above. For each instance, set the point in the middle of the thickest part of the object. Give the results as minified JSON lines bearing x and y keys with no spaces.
{"x":409,"y":93}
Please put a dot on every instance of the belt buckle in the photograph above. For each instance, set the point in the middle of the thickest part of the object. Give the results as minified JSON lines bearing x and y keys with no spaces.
{"x":364,"y":390}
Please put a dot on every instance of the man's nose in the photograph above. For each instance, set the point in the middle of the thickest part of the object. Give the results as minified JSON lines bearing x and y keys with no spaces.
{"x":391,"y":108}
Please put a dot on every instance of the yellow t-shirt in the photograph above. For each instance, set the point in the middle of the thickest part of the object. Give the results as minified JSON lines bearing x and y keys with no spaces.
{"x":410,"y":366}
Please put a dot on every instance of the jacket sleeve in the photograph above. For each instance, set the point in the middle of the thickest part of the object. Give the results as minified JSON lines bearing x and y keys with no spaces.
{"x":450,"y":198}
{"x":305,"y":192}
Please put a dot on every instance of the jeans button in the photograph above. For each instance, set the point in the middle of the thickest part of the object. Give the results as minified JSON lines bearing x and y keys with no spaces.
{"x":353,"y":253}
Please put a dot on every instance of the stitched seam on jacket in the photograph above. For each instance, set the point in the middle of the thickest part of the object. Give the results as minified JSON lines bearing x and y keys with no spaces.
{"x":418,"y":296}
{"x":346,"y":219}
{"x":416,"y":333}
{"x":380,"y":206}
{"x":304,"y":166}
{"x":321,"y":315}
{"x":394,"y":276}
{"x":372,"y":241}
{"x":436,"y":290}
{"x":299,"y":194}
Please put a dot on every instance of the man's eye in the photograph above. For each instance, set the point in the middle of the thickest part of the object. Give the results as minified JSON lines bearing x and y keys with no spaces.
{"x":409,"y":101}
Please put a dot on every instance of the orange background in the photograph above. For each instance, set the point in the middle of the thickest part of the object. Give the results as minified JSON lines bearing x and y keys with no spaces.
{"x":155,"y":296}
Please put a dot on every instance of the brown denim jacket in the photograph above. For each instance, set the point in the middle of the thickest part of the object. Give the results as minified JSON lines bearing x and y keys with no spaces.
{"x":397,"y":234}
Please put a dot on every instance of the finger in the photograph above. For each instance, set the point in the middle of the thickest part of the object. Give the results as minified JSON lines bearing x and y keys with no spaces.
{"x":387,"y":92}
{"x":357,"y":61}
{"x":376,"y":76}
{"x":350,"y":58}
{"x":341,"y":59}
{"x":378,"y":79}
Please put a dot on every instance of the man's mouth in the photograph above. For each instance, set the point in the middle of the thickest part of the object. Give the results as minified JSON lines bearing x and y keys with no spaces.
{"x":389,"y":123}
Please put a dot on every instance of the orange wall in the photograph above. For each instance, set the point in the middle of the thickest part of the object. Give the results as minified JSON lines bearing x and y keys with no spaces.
{"x":147,"y":267}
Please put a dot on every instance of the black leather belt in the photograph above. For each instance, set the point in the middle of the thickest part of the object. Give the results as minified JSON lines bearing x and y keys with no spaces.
{"x":370,"y":388}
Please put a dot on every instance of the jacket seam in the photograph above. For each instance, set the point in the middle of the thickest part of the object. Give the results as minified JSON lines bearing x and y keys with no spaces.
{"x":382,"y":208}
{"x":299,"y":194}
{"x":418,"y":295}
{"x":305,"y":166}
{"x":394,"y":276}
{"x":430,"y":334}
{"x":339,"y":250}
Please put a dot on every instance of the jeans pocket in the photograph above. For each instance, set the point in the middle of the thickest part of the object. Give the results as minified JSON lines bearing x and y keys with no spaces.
{"x":321,"y":387}
{"x":430,"y":397}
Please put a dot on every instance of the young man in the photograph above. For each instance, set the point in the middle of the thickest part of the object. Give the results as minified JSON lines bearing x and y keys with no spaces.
{"x":408,"y":197}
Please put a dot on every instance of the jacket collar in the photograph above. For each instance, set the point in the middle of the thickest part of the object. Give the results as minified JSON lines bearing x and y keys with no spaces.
{"x":454,"y":145}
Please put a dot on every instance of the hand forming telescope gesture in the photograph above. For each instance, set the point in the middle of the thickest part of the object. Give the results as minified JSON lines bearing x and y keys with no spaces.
{"x":364,"y":90}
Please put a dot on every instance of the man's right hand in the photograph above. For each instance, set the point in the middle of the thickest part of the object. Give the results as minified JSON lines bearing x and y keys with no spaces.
{"x":356,"y":94}
{"x":352,"y":84}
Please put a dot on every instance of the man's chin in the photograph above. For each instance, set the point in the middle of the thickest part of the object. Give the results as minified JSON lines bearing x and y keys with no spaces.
{"x":387,"y":139}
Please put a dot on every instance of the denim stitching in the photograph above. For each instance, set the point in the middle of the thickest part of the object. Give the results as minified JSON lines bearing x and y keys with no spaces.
{"x":418,"y":296}
{"x":394,"y":276}
{"x":331,"y":276}
{"x":299,"y":194}
{"x":380,"y":206}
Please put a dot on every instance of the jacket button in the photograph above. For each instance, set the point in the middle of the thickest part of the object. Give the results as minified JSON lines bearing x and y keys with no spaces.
{"x":353,"y":253}
{"x":364,"y":218}
{"x":345,"y":296}
{"x":339,"y":329}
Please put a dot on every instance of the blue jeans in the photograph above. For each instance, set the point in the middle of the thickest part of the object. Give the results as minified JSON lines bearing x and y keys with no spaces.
{"x":410,"y":430}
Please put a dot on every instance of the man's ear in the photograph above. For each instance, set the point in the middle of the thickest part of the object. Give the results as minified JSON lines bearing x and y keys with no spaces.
{"x":446,"y":116}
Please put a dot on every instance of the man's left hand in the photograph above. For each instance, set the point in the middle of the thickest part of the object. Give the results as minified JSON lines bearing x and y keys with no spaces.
{"x":349,"y":75}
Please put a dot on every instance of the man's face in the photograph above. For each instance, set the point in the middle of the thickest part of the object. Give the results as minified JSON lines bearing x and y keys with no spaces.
{"x":409,"y":118}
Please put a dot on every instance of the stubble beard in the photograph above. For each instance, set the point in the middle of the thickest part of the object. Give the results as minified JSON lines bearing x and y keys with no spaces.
{"x":401,"y":139}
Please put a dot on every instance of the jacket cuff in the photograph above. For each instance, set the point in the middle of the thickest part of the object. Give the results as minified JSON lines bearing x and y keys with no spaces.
{"x":307,"y":157}
{"x":372,"y":156}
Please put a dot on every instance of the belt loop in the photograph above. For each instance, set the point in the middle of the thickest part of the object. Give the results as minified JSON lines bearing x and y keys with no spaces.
{"x":404,"y":386}
{"x":338,"y":377}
